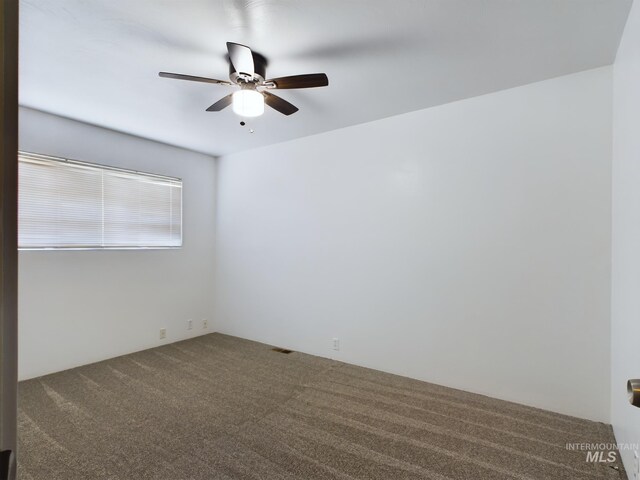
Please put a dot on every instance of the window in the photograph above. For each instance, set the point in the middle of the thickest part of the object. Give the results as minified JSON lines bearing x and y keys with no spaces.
{"x":69,"y":204}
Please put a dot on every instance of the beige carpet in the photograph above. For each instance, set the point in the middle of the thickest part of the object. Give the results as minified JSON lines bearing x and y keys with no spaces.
{"x":218,"y":407}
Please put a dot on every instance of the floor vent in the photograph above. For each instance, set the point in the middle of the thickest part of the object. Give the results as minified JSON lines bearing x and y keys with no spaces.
{"x":281,"y":350}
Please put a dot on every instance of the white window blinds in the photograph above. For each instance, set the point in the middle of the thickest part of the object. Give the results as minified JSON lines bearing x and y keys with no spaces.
{"x":68,"y":204}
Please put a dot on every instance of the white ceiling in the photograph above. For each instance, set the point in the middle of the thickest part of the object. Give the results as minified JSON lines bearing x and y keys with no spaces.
{"x":97,"y":61}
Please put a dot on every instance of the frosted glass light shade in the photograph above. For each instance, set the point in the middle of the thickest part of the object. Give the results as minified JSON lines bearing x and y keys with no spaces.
{"x":248,"y":103}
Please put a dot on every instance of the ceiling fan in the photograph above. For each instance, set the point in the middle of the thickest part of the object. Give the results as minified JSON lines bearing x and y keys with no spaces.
{"x":247,"y":70}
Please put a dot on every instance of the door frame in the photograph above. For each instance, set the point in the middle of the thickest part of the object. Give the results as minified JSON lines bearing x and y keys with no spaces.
{"x":8,"y":237}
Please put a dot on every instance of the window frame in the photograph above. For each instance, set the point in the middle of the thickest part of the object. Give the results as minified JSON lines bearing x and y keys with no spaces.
{"x":40,"y":156}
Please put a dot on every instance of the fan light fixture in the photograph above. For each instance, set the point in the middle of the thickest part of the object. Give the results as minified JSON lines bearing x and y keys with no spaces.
{"x":248,"y":103}
{"x":247,"y":70}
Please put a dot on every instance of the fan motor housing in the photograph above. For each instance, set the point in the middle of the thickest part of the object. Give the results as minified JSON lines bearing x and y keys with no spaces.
{"x":259,"y":68}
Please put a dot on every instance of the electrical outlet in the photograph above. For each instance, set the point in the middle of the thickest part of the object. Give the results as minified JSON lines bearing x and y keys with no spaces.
{"x":336,"y":344}
{"x":189,"y":324}
{"x":163,"y":333}
{"x":205,"y":323}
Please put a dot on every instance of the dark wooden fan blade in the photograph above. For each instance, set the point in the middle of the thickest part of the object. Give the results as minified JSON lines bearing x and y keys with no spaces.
{"x":279,"y":104}
{"x":310,"y":80}
{"x":241,"y":58}
{"x":180,"y":76}
{"x":224,"y":102}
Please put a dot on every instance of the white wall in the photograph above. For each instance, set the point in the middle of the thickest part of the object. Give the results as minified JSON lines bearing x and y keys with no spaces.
{"x":625,"y":300}
{"x":466,"y":244}
{"x":78,"y":307}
